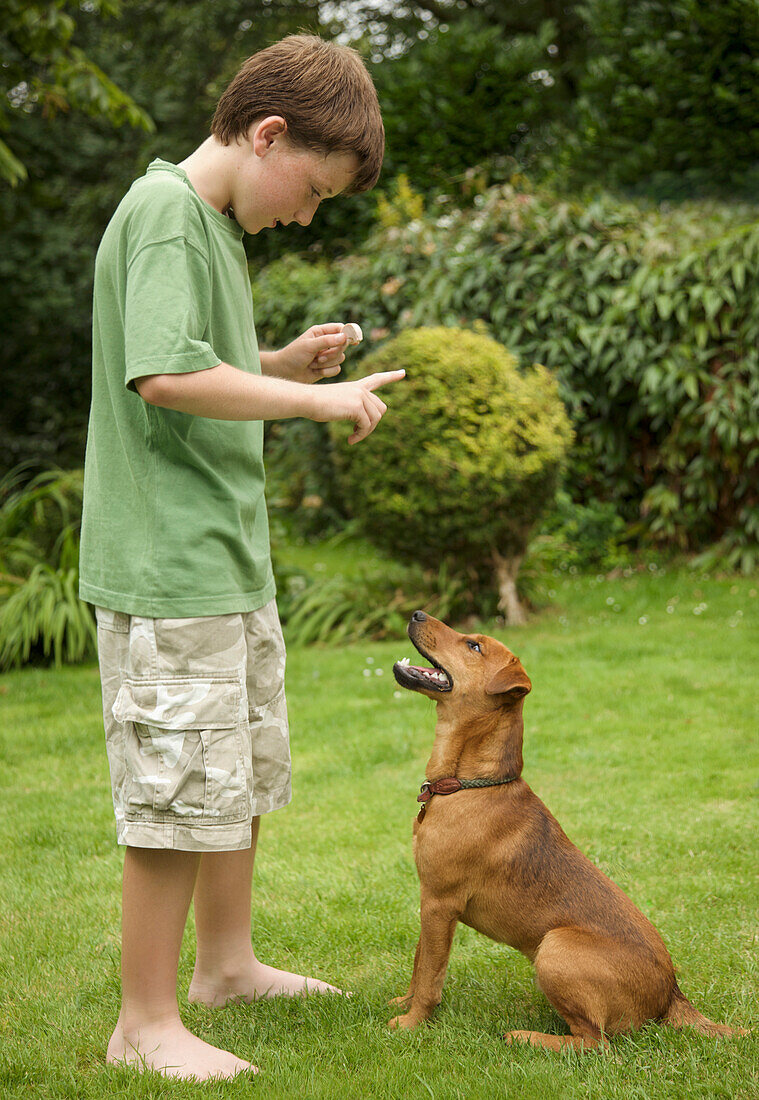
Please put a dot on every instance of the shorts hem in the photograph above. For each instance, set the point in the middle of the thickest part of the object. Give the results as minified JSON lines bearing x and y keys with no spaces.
{"x":184,"y":838}
{"x":200,"y":838}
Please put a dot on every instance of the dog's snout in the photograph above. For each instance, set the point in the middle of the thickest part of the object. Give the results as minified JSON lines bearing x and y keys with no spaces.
{"x":418,"y":617}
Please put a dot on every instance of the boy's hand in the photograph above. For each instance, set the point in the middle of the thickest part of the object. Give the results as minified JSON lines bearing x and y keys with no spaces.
{"x":316,"y":354}
{"x":354,"y":401}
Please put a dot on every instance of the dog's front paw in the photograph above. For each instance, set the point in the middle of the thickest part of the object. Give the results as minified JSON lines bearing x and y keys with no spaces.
{"x":404,"y":1000}
{"x":406,"y":1022}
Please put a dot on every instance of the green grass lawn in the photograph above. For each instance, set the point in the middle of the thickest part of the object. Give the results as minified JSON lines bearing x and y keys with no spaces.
{"x":642,"y":736}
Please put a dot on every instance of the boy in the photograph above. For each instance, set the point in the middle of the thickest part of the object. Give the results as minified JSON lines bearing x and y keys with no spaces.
{"x":175,"y":550}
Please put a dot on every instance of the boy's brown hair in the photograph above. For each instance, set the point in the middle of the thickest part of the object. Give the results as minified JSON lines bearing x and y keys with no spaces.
{"x":324,"y":93}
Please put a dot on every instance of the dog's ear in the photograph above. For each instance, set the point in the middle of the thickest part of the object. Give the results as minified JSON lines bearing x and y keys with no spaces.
{"x":511,"y":679}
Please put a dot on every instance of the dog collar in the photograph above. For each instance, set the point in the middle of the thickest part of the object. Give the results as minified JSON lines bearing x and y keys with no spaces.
{"x":450,"y":785}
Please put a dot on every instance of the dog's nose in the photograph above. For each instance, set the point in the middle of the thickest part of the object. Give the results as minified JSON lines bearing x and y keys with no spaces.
{"x":418,"y":617}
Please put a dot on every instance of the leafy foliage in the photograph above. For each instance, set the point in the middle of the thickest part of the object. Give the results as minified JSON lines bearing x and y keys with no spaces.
{"x":497,"y":97}
{"x":44,"y":615}
{"x":391,"y":29}
{"x":668,"y":94}
{"x":591,"y":536}
{"x":35,"y":513}
{"x":648,"y":318}
{"x":40,"y":610}
{"x":44,"y":70}
{"x":299,"y":477}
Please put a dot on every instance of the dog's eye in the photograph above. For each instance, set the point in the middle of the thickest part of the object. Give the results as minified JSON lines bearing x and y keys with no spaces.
{"x":474,"y":645}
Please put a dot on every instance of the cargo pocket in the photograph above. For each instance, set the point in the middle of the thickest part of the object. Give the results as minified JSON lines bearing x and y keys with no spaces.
{"x":184,"y":758}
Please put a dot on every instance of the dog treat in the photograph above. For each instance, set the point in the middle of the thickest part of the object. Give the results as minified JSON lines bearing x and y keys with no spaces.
{"x":353,"y":332}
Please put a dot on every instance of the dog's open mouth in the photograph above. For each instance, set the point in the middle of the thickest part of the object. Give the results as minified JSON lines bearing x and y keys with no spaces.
{"x":416,"y":676}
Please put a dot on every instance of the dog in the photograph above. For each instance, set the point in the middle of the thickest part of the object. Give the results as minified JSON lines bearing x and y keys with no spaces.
{"x":489,"y":853}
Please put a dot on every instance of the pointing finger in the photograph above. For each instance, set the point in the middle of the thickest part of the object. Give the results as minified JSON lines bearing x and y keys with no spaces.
{"x":374,"y":381}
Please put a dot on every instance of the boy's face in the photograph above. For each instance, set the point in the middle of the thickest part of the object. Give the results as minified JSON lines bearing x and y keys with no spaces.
{"x":277,"y":182}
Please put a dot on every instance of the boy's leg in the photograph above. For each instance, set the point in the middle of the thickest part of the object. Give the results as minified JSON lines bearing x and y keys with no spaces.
{"x":157,"y":889}
{"x":226,"y":967}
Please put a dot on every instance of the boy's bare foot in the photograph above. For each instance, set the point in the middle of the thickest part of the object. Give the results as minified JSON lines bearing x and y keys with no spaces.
{"x":252,"y":981}
{"x":171,"y":1049}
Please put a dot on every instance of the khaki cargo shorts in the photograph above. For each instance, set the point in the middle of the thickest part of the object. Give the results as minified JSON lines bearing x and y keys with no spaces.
{"x":195,"y":726}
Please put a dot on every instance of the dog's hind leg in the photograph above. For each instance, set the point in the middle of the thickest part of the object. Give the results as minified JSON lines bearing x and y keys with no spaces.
{"x":586,"y":1037}
{"x":601,"y":986}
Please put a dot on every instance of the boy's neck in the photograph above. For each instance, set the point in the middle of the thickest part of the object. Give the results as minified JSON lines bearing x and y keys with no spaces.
{"x":209,"y":170}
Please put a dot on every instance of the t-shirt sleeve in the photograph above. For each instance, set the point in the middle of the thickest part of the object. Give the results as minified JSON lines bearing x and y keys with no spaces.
{"x":166,"y":313}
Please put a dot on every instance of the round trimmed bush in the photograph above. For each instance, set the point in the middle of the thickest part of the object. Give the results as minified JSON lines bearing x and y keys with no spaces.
{"x":465,"y":460}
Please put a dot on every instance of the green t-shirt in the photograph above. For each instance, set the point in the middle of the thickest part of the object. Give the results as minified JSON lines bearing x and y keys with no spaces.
{"x":174,"y":521}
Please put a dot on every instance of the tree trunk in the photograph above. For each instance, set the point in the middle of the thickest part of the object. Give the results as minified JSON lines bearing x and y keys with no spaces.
{"x":506,"y":570}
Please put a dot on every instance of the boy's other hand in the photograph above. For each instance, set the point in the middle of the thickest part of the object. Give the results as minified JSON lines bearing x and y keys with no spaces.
{"x":354,"y":401}
{"x":316,"y":354}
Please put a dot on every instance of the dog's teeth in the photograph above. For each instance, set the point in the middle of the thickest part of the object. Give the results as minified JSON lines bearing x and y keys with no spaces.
{"x":405,"y":661}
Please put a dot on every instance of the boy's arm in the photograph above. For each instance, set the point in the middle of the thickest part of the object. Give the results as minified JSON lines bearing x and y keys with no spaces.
{"x":226,"y":393}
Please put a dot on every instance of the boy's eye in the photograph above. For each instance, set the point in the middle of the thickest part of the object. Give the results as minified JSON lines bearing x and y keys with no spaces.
{"x":475,"y":646}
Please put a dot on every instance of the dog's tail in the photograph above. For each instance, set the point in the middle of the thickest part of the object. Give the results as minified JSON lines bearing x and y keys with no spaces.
{"x":681,"y":1013}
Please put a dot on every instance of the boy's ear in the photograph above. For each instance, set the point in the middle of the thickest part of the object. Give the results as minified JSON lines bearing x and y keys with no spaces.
{"x":511,"y":680}
{"x":265,"y":132}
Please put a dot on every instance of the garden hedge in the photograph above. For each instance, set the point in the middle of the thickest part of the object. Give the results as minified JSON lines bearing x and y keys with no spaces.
{"x":466,"y":463}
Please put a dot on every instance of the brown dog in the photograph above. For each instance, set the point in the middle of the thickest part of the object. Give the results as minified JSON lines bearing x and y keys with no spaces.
{"x":490,"y":854}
